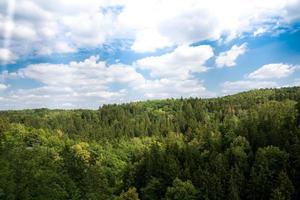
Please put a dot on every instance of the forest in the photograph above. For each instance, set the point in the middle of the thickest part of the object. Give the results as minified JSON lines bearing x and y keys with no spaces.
{"x":242,"y":146}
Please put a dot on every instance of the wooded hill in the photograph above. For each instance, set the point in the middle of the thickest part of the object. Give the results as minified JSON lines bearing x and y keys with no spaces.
{"x":244,"y":146}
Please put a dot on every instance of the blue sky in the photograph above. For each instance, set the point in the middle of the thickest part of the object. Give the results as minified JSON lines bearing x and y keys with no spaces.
{"x":82,"y":54}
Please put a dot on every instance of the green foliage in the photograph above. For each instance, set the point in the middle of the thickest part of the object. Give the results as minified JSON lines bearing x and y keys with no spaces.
{"x":131,"y":194}
{"x":244,"y":146}
{"x":283,"y":189}
{"x":181,"y":191}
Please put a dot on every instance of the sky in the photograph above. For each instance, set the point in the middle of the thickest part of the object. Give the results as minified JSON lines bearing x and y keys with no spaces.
{"x":86,"y":53}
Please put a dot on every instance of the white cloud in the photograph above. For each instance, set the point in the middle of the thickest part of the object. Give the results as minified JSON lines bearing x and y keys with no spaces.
{"x":172,"y":73}
{"x":228,"y":58}
{"x":292,"y":10}
{"x":58,"y":47}
{"x":151,"y":24}
{"x":31,"y":11}
{"x":77,"y":75}
{"x":185,"y":22}
{"x":81,"y":84}
{"x":63,"y":47}
{"x":230,"y":87}
{"x":3,"y":87}
{"x":56,"y":26}
{"x":259,"y":78}
{"x":6,"y":56}
{"x":276,"y":70}
{"x":89,"y":29}
{"x":149,"y":40}
{"x":92,"y":82}
{"x":179,"y":63}
{"x":166,"y":88}
{"x":55,"y":97}
{"x":259,"y":31}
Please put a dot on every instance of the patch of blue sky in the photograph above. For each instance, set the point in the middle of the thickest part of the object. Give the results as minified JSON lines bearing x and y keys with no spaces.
{"x":112,"y":9}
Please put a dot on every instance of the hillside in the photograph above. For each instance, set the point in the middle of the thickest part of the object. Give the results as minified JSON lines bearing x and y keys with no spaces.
{"x":243,"y":146}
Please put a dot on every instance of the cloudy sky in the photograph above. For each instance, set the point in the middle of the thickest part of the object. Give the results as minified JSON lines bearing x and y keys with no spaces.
{"x":85,"y":53}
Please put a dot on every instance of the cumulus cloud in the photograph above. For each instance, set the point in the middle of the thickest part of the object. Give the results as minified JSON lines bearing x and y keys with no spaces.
{"x":292,"y":10}
{"x":228,"y":58}
{"x":78,"y":75}
{"x":261,"y":78}
{"x":172,"y":73}
{"x":149,"y":41}
{"x":81,"y":84}
{"x":56,"y":27}
{"x":58,"y":97}
{"x":3,"y":87}
{"x":179,"y":63}
{"x":92,"y":82}
{"x":58,"y":47}
{"x":150,"y":24}
{"x":6,"y":56}
{"x":166,"y":88}
{"x":185,"y":22}
{"x":269,"y":71}
{"x":230,"y":87}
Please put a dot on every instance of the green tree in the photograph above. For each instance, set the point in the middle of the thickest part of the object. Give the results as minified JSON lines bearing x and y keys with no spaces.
{"x":269,"y":162}
{"x":153,"y":190}
{"x":181,"y":190}
{"x":284,"y":188}
{"x":130,"y":194}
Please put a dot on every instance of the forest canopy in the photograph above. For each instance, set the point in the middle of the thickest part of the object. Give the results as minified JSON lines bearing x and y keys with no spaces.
{"x":243,"y":146}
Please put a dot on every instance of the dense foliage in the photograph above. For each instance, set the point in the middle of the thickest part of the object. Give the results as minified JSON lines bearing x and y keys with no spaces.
{"x":245,"y":146}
